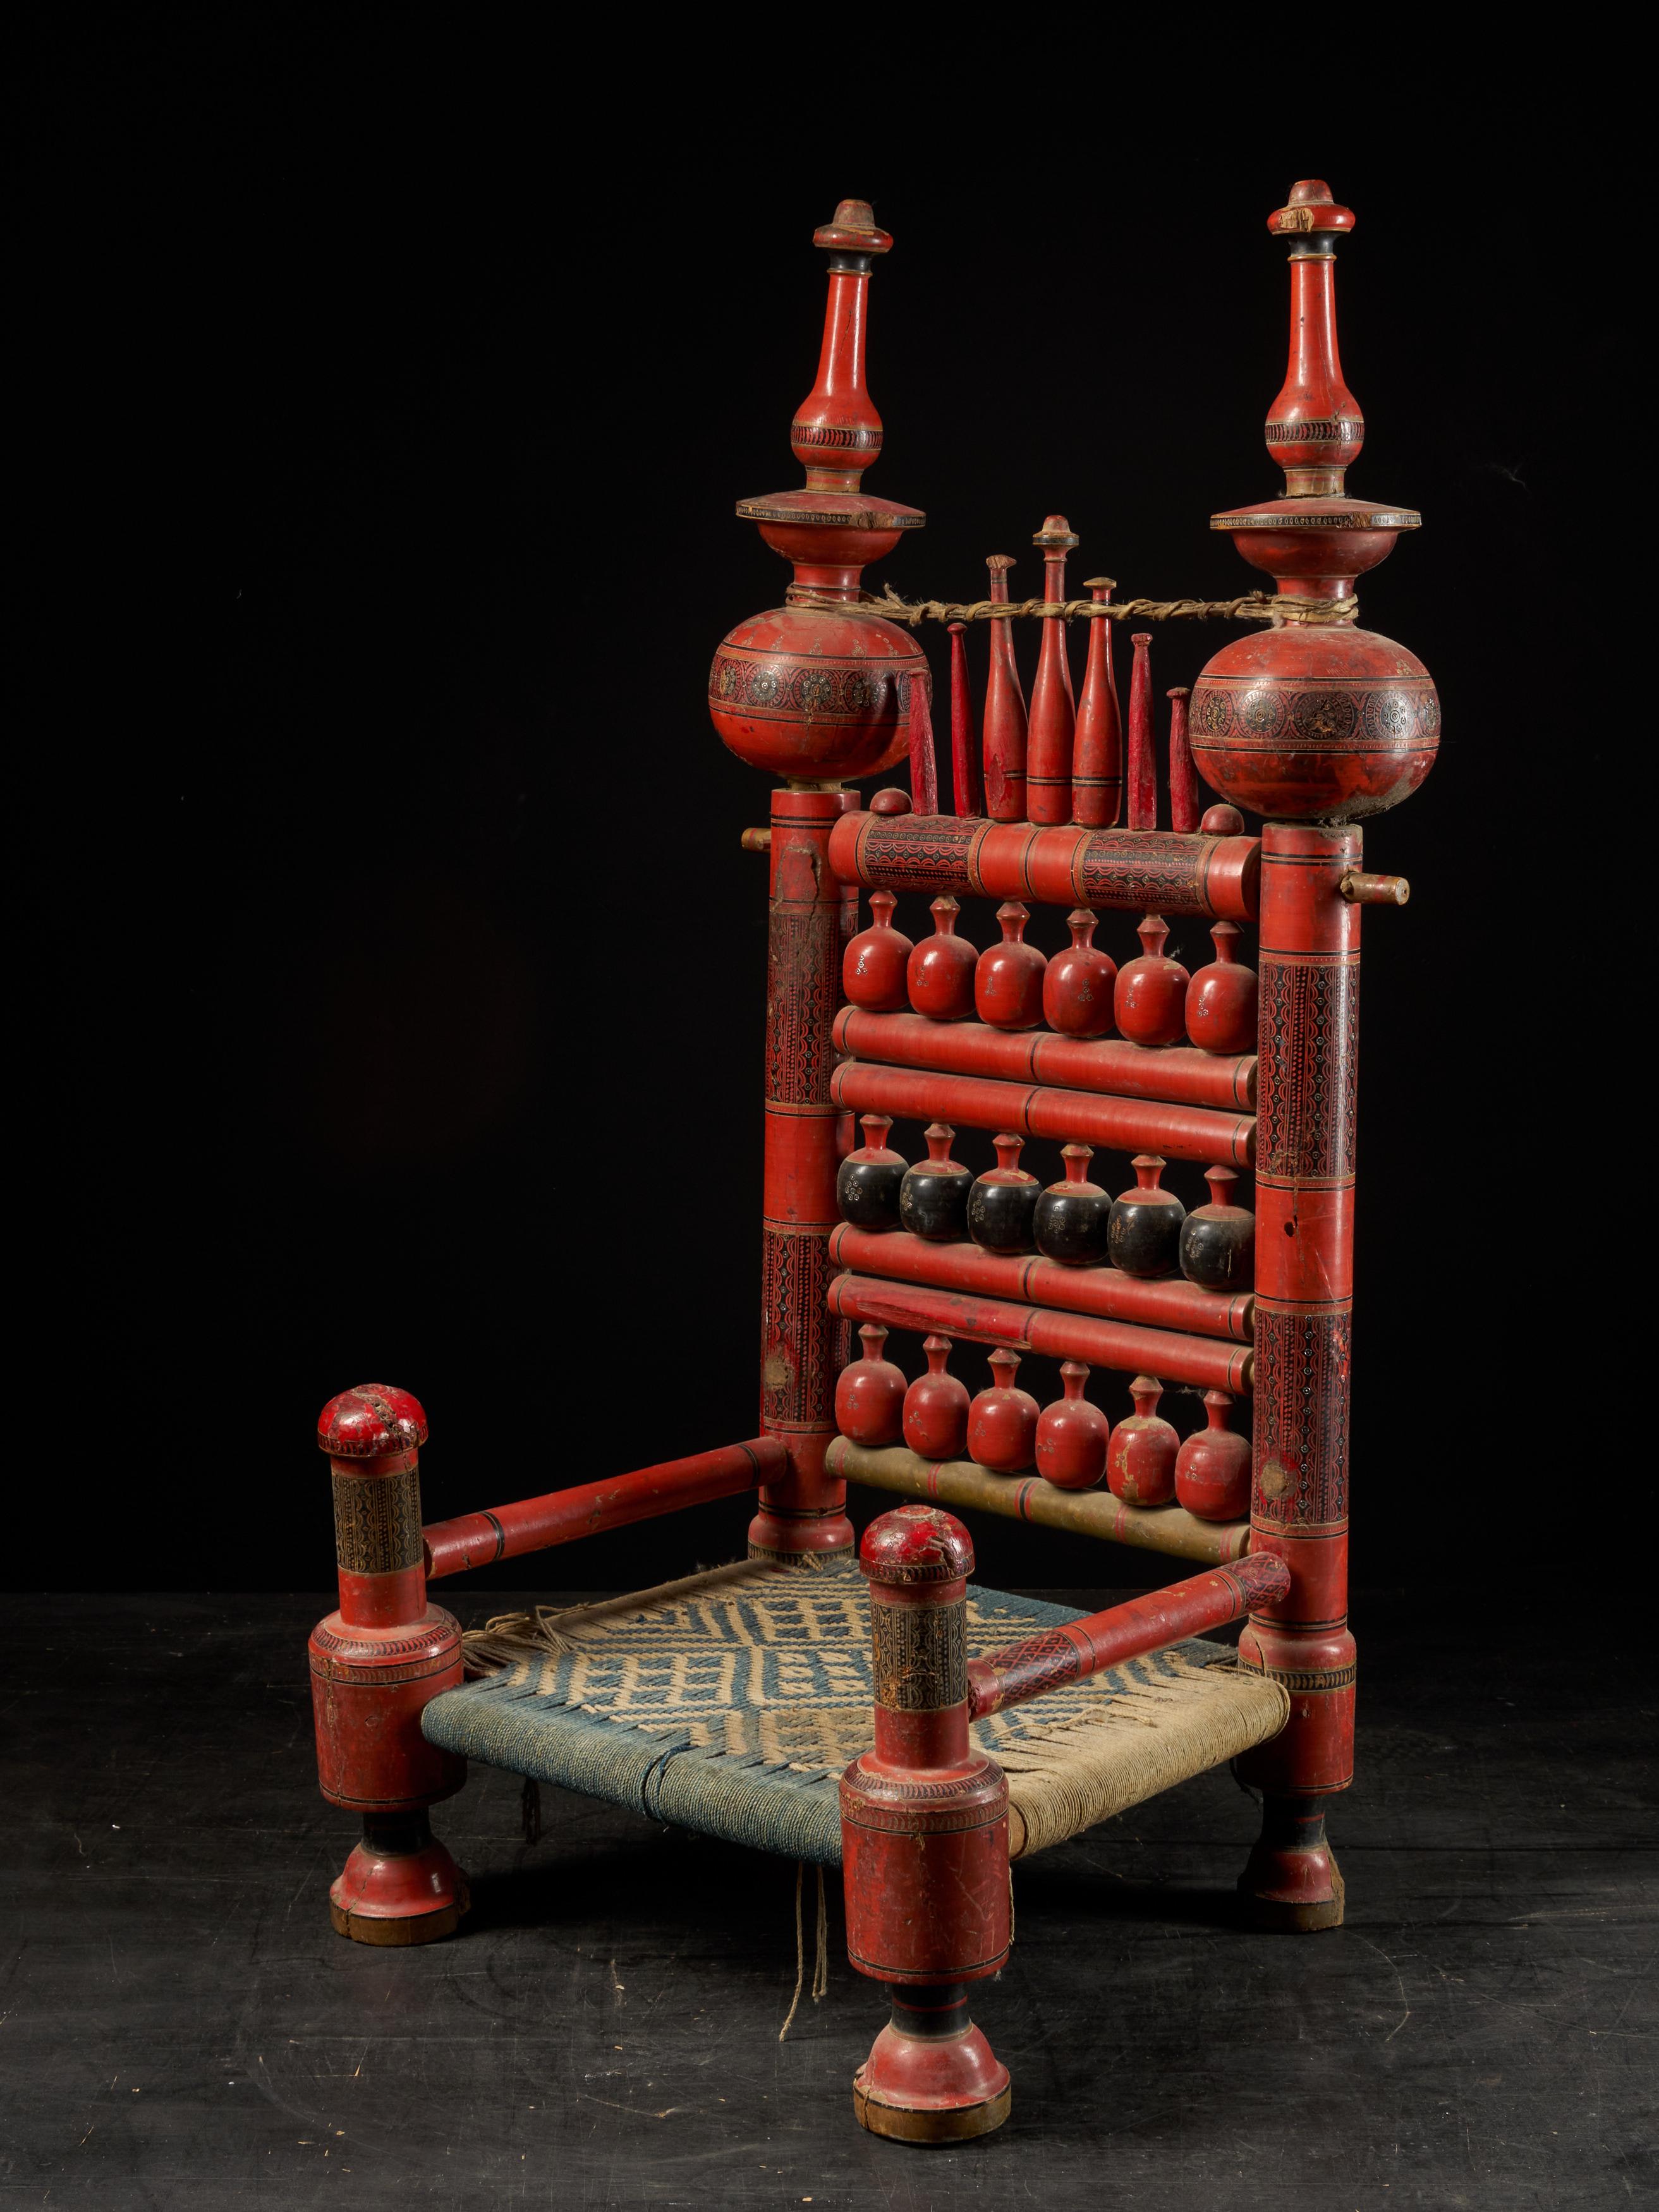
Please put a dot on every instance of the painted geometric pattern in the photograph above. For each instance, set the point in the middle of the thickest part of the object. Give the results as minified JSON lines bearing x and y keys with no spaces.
{"x":1309,"y":1068}
{"x":1301,"y":1377}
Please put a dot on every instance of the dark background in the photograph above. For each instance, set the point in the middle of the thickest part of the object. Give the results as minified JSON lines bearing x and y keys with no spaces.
{"x":390,"y":979}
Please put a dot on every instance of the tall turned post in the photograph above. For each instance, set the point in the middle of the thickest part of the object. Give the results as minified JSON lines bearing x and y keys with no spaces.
{"x":1054,"y":712}
{"x":375,"y":1664}
{"x":1313,"y":723}
{"x":803,"y":1348}
{"x":1304,"y":1181}
{"x":1097,"y":738}
{"x":1003,"y":729}
{"x":925,"y":1844}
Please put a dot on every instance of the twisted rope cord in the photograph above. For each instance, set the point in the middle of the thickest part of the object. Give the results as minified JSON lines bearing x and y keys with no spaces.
{"x":1249,"y":606}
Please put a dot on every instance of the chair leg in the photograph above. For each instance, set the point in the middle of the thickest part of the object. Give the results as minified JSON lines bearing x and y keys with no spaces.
{"x":925,"y":1844}
{"x":399,"y":1885}
{"x":931,"y":2076}
{"x":375,"y":1664}
{"x":1292,"y":1880}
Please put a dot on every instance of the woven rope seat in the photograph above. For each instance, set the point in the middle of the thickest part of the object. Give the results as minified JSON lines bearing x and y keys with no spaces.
{"x":731,"y":1702}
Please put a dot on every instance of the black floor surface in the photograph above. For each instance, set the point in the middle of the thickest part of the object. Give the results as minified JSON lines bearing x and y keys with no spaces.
{"x":180,"y":2029}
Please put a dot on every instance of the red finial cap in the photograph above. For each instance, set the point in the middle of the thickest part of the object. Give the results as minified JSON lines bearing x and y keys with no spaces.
{"x":1310,"y":207}
{"x":371,"y":1422}
{"x":853,"y":230}
{"x":916,"y":1544}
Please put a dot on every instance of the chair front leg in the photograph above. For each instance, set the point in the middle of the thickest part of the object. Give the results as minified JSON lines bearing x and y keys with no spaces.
{"x":375,"y":1664}
{"x":925,"y":1844}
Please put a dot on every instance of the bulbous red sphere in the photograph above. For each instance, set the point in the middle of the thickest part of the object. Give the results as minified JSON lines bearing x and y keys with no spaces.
{"x":870,"y":1394}
{"x":1002,"y":1420}
{"x":814,"y":694}
{"x":1008,"y":975}
{"x":1221,"y":998}
{"x":1141,"y":1456}
{"x":936,"y":1408}
{"x":1314,"y":722}
{"x":939,"y":974}
{"x":1149,"y":999}
{"x":872,"y":966}
{"x":1212,"y":1468}
{"x":1078,"y":984}
{"x":1072,"y":1435}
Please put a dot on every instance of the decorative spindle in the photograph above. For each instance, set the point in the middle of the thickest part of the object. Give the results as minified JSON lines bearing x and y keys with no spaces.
{"x":1002,"y":1202}
{"x":1213,"y":1468}
{"x":1004,"y":727}
{"x":934,"y":1195}
{"x":811,"y":693}
{"x":872,"y":967}
{"x":1149,"y":1000}
{"x":1143,"y":1233}
{"x":1315,"y":719}
{"x":1008,"y":978}
{"x":1054,"y":712}
{"x":867,"y":1181}
{"x":1221,"y":820}
{"x":964,"y":769}
{"x":1070,"y":1221}
{"x":924,"y":766}
{"x":1218,"y":1241}
{"x":1221,"y":998}
{"x":939,"y":974}
{"x":1141,"y":1456}
{"x":1078,"y":984}
{"x":935,"y":1421}
{"x":870,"y":1394}
{"x":1143,"y":773}
{"x":1002,"y":1421}
{"x":1184,"y":780}
{"x":1097,"y":741}
{"x":1072,"y":1435}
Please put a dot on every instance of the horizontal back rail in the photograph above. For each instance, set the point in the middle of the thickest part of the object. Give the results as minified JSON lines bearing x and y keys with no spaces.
{"x":1132,"y":1351}
{"x":1170,"y":1530}
{"x":973,"y":1101}
{"x":1178,"y":1074}
{"x":1168,"y":1301}
{"x":1140,"y":870}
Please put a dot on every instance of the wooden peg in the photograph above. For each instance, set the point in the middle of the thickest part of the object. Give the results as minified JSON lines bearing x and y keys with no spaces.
{"x":964,"y":769}
{"x":1098,"y":739}
{"x":924,"y":768}
{"x":1183,"y":777}
{"x":1143,"y":776}
{"x":1003,"y":731}
{"x":1054,"y":712}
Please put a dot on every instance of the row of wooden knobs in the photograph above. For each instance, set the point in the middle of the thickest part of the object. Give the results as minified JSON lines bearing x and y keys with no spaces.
{"x":1070,"y":1443}
{"x":1146,"y":1231}
{"x":1081,"y":992}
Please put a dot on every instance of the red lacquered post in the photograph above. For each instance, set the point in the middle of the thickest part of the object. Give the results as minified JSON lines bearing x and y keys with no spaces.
{"x":1097,"y":741}
{"x":1003,"y":739}
{"x":925,"y":1844}
{"x":1053,"y":714}
{"x":1143,"y":776}
{"x":802,"y":1348}
{"x":1304,"y":1315}
{"x":965,"y":769}
{"x":374,"y":1665}
{"x":1183,"y":777}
